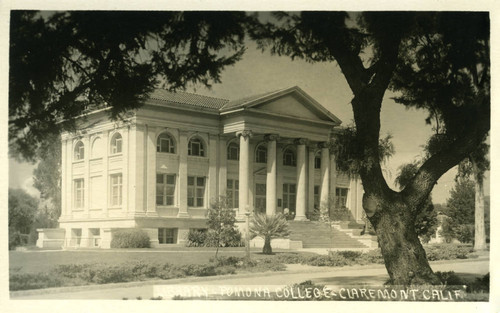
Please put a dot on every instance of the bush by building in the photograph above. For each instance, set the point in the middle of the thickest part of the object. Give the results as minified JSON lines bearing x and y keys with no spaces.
{"x":130,"y":238}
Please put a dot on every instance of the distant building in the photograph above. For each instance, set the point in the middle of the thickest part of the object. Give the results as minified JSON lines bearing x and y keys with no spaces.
{"x":160,"y":169}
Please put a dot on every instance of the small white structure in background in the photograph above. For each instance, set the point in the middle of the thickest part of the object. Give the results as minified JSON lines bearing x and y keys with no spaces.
{"x":161,"y":168}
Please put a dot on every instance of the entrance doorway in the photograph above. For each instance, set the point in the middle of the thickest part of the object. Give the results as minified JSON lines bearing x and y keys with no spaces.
{"x":289,"y":198}
{"x":260,"y":198}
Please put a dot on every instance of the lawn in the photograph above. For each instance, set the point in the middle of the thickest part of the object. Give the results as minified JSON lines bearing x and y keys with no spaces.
{"x":43,"y":261}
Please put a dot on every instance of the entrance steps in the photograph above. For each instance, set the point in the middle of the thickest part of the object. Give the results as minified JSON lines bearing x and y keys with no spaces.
{"x":320,"y":235}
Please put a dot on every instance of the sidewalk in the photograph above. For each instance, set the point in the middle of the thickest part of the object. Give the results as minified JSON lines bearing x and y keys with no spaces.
{"x":349,"y":275}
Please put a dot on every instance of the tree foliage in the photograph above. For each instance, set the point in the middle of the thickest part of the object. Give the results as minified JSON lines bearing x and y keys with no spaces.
{"x":62,"y":63}
{"x":221,"y":221}
{"x":460,"y":212}
{"x":269,"y":227}
{"x":22,"y":210}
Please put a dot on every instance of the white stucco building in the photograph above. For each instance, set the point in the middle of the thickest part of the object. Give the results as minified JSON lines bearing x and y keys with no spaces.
{"x":161,"y":168}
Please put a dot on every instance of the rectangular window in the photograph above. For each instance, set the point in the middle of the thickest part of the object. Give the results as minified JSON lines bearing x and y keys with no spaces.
{"x":260,"y":198}
{"x":79,"y":192}
{"x":165,"y":189}
{"x":341,"y":197}
{"x":116,"y":189}
{"x":289,"y":197}
{"x":317,"y":162}
{"x":167,"y":235}
{"x":316,"y":196}
{"x":232,"y":193}
{"x":196,"y":191}
{"x":117,"y":146}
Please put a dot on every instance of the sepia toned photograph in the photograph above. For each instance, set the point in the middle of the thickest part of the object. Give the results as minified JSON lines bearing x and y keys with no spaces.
{"x":242,"y":156}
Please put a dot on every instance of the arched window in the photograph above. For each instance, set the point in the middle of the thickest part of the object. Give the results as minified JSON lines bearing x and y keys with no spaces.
{"x":289,"y":158}
{"x":165,"y":143}
{"x":317,"y":161}
{"x":195,"y":147}
{"x":261,"y":154}
{"x":233,"y":151}
{"x":96,"y":151}
{"x":79,"y":151}
{"x":116,"y":143}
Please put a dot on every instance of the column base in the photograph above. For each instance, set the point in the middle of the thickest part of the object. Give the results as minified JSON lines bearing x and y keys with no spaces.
{"x":301,"y":218}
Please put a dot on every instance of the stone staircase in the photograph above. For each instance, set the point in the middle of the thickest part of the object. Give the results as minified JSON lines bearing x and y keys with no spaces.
{"x":319,"y":235}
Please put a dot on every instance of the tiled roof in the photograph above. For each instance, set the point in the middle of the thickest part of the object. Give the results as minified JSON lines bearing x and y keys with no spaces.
{"x":241,"y":102}
{"x":188,"y":98}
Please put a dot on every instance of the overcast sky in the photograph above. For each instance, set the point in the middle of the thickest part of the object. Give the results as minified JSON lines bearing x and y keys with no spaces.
{"x":260,"y":72}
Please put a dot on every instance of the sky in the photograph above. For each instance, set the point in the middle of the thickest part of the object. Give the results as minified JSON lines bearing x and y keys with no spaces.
{"x":260,"y":72}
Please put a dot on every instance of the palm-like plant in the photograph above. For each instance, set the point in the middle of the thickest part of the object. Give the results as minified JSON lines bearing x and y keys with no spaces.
{"x":269,"y":227}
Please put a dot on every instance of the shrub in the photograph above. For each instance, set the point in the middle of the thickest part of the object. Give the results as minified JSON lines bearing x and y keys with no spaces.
{"x":130,"y":238}
{"x":196,"y":238}
{"x":340,"y":214}
{"x":33,"y":281}
{"x":17,"y":239}
{"x":227,"y":238}
{"x":269,"y":227}
{"x":290,"y":258}
{"x":447,"y":252}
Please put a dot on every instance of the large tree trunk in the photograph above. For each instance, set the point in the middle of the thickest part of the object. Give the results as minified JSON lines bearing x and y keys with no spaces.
{"x":479,"y":229}
{"x":404,"y":257}
{"x":267,"y":246}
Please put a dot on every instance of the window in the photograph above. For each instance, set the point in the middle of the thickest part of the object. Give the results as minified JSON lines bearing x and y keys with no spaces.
{"x":97,"y":148}
{"x":116,"y":144}
{"x":317,"y":161}
{"x":165,"y":143}
{"x":316,"y":196}
{"x":196,"y":191}
{"x":232,"y":193}
{"x":233,"y":152}
{"x":341,"y":197}
{"x":261,"y":154}
{"x":79,"y":151}
{"x":289,"y":197}
{"x":289,"y":157}
{"x":167,"y":235}
{"x":79,"y":192}
{"x":116,"y":189}
{"x":195,"y":147}
{"x":260,"y":198}
{"x":165,"y":189}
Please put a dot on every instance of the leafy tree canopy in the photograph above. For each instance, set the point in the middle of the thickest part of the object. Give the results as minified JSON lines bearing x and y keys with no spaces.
{"x":63,"y":63}
{"x":22,"y":210}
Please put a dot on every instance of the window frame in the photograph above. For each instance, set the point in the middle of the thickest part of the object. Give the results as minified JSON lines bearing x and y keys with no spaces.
{"x":232,"y":193}
{"x":293,"y":160}
{"x":339,"y":196}
{"x":233,"y":145}
{"x":317,"y":161}
{"x":261,"y":149}
{"x":165,"y":186}
{"x":118,"y":186}
{"x":163,"y":236}
{"x":165,"y":136}
{"x":79,"y":191}
{"x":194,"y":189}
{"x":201,"y":147}
{"x":80,"y":155}
{"x":116,"y":142}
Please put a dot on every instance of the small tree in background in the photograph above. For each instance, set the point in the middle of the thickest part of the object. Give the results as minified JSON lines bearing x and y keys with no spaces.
{"x":460,"y":210}
{"x":221,"y":220}
{"x":269,"y":227}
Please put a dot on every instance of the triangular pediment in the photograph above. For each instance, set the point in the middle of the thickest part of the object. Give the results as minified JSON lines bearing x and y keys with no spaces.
{"x":292,"y":102}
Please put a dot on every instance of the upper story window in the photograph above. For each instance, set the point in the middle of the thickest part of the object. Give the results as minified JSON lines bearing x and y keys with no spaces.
{"x":116,"y":143}
{"x":97,"y":148}
{"x":261,"y":154}
{"x":195,"y":147}
{"x":233,"y":151}
{"x":165,"y":143}
{"x":317,"y":161}
{"x":79,"y":151}
{"x":289,"y":158}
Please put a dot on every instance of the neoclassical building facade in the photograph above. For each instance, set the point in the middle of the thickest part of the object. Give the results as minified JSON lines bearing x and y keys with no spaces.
{"x":162,"y":167}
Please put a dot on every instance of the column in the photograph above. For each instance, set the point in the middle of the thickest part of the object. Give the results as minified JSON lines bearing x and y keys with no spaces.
{"x":86,"y":176}
{"x":300,"y":209}
{"x":271,"y":174}
{"x":333,"y":178}
{"x":222,"y":166}
{"x":310,"y":175}
{"x":325,"y":177}
{"x":132,"y":169}
{"x":244,"y":172}
{"x":105,"y":176}
{"x":183,"y":150}
{"x":125,"y":171}
{"x":151,"y":171}
{"x":212,"y":168}
{"x":64,"y":182}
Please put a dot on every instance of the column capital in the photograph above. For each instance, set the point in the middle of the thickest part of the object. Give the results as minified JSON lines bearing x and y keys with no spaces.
{"x":245,"y":133}
{"x":312,"y":146}
{"x":271,"y":137}
{"x":301,"y":141}
{"x":324,"y":145}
